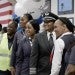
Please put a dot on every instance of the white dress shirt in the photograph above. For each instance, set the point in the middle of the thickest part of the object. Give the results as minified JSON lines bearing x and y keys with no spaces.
{"x":54,"y":36}
{"x":58,"y":52}
{"x":30,"y":41}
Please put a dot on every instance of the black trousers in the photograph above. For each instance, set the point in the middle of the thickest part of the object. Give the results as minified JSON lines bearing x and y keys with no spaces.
{"x":7,"y":72}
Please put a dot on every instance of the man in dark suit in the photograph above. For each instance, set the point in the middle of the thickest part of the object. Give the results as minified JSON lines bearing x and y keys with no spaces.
{"x":42,"y":47}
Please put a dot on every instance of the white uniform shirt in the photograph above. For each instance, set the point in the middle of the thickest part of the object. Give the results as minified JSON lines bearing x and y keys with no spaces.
{"x":54,"y":36}
{"x":58,"y":52}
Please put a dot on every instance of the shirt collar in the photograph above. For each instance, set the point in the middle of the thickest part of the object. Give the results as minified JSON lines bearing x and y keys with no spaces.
{"x":67,"y":33}
{"x":48,"y":33}
{"x":54,"y":35}
{"x":29,"y":38}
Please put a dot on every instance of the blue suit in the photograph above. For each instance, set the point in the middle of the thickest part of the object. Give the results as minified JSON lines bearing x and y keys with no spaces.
{"x":17,"y":38}
{"x":23,"y":57}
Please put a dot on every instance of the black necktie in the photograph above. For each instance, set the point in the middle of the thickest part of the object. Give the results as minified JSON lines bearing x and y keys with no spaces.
{"x":51,"y":43}
{"x":30,"y":40}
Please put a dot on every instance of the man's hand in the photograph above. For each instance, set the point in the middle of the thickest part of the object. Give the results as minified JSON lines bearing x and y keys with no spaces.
{"x":12,"y":69}
{"x":70,"y":70}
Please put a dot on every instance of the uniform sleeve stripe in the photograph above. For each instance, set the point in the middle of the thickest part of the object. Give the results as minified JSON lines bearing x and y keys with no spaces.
{"x":32,"y":70}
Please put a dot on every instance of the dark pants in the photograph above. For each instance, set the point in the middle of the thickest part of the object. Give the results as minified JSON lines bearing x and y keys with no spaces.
{"x":5,"y":72}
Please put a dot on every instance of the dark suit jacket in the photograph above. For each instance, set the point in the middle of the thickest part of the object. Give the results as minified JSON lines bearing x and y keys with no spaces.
{"x":23,"y":57}
{"x":17,"y":38}
{"x":40,"y":55}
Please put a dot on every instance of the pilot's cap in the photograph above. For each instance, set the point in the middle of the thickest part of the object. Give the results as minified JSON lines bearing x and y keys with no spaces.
{"x":49,"y":16}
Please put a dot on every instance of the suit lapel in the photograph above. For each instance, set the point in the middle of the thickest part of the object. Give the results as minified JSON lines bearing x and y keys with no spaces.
{"x":27,"y":43}
{"x":45,"y":39}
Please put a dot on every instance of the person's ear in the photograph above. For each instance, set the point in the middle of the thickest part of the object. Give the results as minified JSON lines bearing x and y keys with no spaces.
{"x":64,"y":26}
